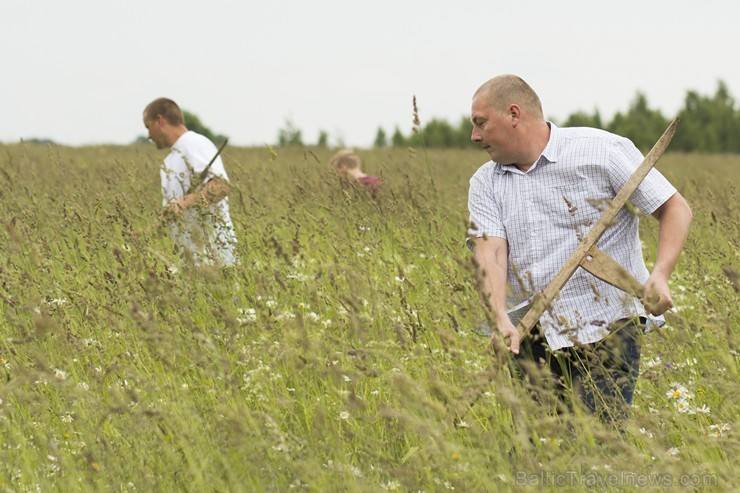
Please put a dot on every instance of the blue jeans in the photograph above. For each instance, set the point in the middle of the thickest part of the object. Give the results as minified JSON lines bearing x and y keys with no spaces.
{"x":600,"y":376}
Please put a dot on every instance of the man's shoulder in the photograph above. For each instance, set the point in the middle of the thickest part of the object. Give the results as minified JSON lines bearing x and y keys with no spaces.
{"x":193,"y":140}
{"x":588,"y":133}
{"x":484,"y":171}
{"x":588,"y":142}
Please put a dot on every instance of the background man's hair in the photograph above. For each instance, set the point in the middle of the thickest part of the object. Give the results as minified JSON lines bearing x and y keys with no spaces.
{"x":345,"y":159}
{"x":167,"y":108}
{"x":507,"y":89}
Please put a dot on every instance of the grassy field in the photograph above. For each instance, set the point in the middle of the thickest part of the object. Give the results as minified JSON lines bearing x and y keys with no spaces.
{"x":339,"y":355}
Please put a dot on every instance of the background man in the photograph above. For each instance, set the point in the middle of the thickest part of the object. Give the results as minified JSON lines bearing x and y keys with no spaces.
{"x":197,"y":210}
{"x":529,"y":207}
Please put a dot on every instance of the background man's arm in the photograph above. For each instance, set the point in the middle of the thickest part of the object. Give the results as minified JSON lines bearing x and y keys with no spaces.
{"x":211,"y":192}
{"x":491,"y":257}
{"x":674,"y":217}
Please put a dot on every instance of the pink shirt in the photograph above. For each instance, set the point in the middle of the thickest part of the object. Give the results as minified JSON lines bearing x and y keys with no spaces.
{"x":371,"y":182}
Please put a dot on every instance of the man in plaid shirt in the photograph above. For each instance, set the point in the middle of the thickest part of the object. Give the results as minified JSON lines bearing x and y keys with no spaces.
{"x":529,"y":208}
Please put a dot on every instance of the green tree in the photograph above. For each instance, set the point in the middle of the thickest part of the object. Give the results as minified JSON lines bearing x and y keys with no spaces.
{"x":463,"y":133}
{"x":323,"y":139}
{"x":709,"y":124}
{"x":398,"y":140}
{"x":439,"y":133}
{"x":640,"y":124}
{"x":380,"y":138}
{"x":193,"y":123}
{"x":581,"y":119}
{"x":289,"y":135}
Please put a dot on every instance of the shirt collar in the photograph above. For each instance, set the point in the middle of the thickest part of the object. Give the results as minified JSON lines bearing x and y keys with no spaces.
{"x":549,"y":154}
{"x":180,"y":142}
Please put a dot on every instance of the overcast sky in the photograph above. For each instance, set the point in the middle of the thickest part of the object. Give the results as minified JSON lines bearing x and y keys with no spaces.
{"x":81,"y":71}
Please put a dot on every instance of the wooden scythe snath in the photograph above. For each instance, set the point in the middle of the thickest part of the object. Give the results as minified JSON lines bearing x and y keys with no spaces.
{"x":591,"y":258}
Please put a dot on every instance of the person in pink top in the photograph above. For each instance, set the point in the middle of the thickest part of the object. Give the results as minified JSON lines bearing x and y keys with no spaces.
{"x":349,"y":165}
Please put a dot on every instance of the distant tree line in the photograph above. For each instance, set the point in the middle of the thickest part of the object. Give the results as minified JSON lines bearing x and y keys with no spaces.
{"x":709,"y":124}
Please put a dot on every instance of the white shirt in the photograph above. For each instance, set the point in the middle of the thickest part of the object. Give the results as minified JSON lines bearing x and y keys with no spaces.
{"x":208,"y":235}
{"x":544,"y":213}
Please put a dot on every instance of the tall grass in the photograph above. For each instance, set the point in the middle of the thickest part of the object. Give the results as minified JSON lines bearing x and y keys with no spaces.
{"x":338,"y":356}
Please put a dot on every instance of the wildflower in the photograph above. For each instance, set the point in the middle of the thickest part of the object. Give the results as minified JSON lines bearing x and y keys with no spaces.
{"x":673,"y":451}
{"x":678,"y":392}
{"x":346,"y":378}
{"x":250,"y":316}
{"x":67,"y":418}
{"x":312,"y":316}
{"x":645,"y":432}
{"x":286,"y":315}
{"x":719,"y":430}
{"x":390,"y":485}
{"x":344,"y":415}
{"x":58,"y":301}
{"x":326,"y":323}
{"x":60,"y":374}
{"x":462,"y":424}
{"x":683,"y":406}
{"x":704,"y":409}
{"x":298,"y":276}
{"x":652,"y":362}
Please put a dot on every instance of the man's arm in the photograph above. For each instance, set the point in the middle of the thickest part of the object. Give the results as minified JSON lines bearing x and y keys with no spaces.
{"x":674,"y":217}
{"x":211,"y":192}
{"x":491,"y":259}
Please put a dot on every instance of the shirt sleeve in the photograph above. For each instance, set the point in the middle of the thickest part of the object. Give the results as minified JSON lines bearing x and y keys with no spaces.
{"x":485,"y":211}
{"x":652,"y":192}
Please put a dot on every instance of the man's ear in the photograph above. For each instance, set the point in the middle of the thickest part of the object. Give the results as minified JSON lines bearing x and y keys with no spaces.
{"x":515,"y":113}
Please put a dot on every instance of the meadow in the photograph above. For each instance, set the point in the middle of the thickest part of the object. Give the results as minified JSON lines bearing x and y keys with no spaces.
{"x":339,"y":355}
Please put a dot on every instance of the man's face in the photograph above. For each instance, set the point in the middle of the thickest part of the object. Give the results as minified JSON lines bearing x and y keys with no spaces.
{"x":156,"y":133}
{"x":492,"y":130}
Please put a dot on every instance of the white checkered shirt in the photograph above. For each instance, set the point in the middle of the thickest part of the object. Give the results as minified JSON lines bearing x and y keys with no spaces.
{"x":544,"y":213}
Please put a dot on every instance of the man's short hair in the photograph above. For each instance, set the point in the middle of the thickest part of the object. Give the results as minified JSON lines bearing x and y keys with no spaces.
{"x":167,"y":108}
{"x":345,"y":159}
{"x":506,"y":89}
